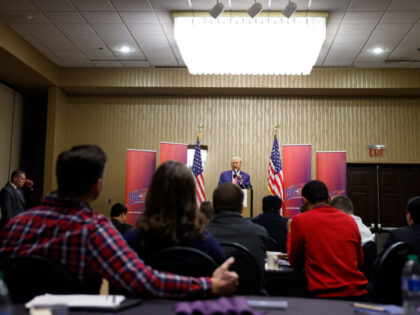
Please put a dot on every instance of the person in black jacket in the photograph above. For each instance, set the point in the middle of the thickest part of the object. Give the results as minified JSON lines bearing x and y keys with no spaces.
{"x":408,"y":234}
{"x":273,"y":221}
{"x":13,"y":196}
{"x":118,"y":217}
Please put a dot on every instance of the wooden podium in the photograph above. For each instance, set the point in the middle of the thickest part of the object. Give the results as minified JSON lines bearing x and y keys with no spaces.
{"x":248,"y":209}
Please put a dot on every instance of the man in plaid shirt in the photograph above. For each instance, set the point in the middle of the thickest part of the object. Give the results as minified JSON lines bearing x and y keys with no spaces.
{"x":64,"y":228}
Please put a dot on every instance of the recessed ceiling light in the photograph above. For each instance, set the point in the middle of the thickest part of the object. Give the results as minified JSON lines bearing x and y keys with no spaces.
{"x":29,"y":17}
{"x":124,"y":49}
{"x":378,"y":50}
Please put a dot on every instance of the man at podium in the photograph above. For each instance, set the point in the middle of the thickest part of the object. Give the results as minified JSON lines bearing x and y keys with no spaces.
{"x":236,"y":176}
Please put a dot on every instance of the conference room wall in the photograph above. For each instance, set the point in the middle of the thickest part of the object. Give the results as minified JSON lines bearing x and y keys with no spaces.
{"x":236,"y":126}
{"x":11,"y":124}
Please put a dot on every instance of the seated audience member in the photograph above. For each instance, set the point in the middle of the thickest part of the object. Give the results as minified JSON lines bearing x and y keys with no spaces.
{"x":344,"y":204}
{"x":170,"y":217}
{"x":206,"y":212}
{"x":228,"y":225}
{"x":118,"y":217}
{"x":97,"y":249}
{"x":273,"y":221}
{"x":409,"y":234}
{"x":326,"y":242}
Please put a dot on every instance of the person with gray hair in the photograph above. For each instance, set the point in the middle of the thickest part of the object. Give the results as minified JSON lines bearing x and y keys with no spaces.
{"x":344,"y":204}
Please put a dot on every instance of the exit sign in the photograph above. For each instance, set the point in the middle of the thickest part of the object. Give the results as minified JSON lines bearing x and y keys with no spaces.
{"x":375,"y":149}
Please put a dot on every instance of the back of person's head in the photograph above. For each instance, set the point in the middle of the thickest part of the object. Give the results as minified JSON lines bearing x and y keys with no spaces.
{"x":171,"y":208}
{"x":79,"y":169}
{"x":117,"y":210}
{"x":315,"y":191}
{"x":207,"y":209}
{"x":343,"y":203}
{"x":271,"y":203}
{"x":16,"y":173}
{"x":413,"y":207}
{"x":227,"y":197}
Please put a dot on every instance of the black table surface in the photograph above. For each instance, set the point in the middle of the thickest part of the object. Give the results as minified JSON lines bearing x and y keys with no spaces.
{"x":296,"y":306}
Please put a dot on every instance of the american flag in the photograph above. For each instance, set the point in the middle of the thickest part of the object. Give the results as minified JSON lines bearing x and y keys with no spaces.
{"x":197,"y":169}
{"x":275,"y":172}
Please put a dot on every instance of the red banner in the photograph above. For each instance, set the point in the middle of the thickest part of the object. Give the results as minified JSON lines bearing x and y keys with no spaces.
{"x":173,"y":151}
{"x":141,"y":165}
{"x":296,"y":173}
{"x":331,"y":168}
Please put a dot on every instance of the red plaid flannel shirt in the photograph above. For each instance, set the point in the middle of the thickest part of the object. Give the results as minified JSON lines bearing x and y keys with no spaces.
{"x":87,"y":243}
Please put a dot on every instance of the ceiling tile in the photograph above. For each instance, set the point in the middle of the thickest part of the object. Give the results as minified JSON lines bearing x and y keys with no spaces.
{"x":415,"y":31}
{"x":405,"y":5}
{"x":144,"y":39}
{"x":415,"y":65}
{"x":54,"y":5}
{"x":165,"y":17}
{"x":42,"y":30}
{"x":17,"y":5}
{"x":401,"y":17}
{"x":362,"y":30}
{"x":139,"y":17}
{"x":332,"y":29}
{"x":65,"y":17}
{"x":75,"y":56}
{"x":362,"y":64}
{"x":156,"y":58}
{"x":111,"y":29}
{"x":328,"y":5}
{"x":397,"y":30}
{"x":132,"y":5}
{"x":371,"y":5}
{"x":87,"y":42}
{"x":59,"y":44}
{"x":93,"y":5}
{"x":409,"y":43}
{"x":76,"y":29}
{"x":133,"y":56}
{"x":97,"y":54}
{"x":368,"y":57}
{"x":25,"y":17}
{"x":102,"y":17}
{"x":176,"y":5}
{"x":86,"y":63}
{"x":107,"y":63}
{"x":136,"y":64}
{"x":362,"y":17}
{"x":146,"y":29}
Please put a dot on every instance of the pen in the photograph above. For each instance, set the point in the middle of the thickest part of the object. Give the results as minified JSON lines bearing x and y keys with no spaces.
{"x":369,"y":307}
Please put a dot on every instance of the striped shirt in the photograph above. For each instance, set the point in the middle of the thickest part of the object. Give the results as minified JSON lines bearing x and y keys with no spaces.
{"x":87,"y":244}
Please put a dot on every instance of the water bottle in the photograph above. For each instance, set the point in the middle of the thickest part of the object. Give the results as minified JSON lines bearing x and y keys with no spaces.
{"x":410,"y":286}
{"x":5,"y":304}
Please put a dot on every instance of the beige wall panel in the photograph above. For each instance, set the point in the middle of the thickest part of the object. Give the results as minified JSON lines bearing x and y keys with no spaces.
{"x":57,"y":135}
{"x":17,"y":132}
{"x":240,"y":126}
{"x":6,"y":123}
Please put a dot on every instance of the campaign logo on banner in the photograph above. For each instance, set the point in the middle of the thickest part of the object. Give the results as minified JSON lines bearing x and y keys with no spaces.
{"x":137,"y":196}
{"x":140,"y":168}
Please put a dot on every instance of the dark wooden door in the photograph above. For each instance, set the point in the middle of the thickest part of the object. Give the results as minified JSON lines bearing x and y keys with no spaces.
{"x":380,"y":192}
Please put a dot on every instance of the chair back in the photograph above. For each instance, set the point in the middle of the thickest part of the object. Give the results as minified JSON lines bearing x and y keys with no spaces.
{"x":27,"y":276}
{"x":245,"y":266}
{"x":182,"y":260}
{"x":370,"y":252}
{"x":273,"y":245}
{"x":387,"y":277}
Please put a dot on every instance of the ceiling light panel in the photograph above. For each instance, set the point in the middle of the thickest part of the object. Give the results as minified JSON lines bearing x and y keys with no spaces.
{"x":239,"y":45}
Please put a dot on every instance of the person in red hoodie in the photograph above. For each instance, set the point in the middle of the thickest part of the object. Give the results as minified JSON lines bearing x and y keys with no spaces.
{"x":327,"y":244}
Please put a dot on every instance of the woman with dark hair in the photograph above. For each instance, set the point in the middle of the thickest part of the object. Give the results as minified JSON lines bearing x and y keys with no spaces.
{"x":170,"y":217}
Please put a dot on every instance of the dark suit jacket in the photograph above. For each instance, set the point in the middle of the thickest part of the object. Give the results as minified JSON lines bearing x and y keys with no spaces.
{"x":121,"y":227}
{"x":230,"y":226}
{"x":408,"y":234}
{"x":226,"y":177}
{"x":11,"y":204}
{"x":276,"y":226}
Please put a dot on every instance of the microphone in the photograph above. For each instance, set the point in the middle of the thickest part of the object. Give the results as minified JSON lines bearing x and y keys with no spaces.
{"x":235,"y":174}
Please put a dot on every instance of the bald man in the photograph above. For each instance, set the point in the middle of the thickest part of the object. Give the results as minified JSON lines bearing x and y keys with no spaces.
{"x":236,"y":176}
